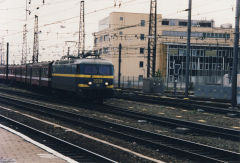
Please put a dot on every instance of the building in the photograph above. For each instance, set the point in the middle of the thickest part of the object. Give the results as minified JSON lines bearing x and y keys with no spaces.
{"x":211,"y":47}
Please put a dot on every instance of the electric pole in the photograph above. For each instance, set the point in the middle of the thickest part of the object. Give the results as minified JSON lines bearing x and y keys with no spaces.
{"x":7,"y":62}
{"x":68,"y":52}
{"x":81,"y":38}
{"x":152,"y":39}
{"x":24,"y":44}
{"x":235,"y":57}
{"x":119,"y":65}
{"x":1,"y":51}
{"x":35,"y":42}
{"x":188,"y":47}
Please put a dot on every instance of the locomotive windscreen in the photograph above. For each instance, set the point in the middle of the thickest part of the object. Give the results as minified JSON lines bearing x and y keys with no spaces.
{"x":96,"y":69}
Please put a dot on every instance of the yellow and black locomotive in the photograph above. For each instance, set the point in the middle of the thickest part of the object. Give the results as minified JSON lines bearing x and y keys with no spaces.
{"x":90,"y":77}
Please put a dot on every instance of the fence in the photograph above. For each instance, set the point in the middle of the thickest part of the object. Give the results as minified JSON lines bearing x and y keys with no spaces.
{"x":170,"y":83}
{"x":129,"y":82}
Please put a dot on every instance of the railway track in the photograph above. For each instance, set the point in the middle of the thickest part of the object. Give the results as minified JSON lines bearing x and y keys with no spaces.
{"x":191,"y":150}
{"x":172,"y":123}
{"x":212,"y":102}
{"x":219,"y":108}
{"x":72,"y":151}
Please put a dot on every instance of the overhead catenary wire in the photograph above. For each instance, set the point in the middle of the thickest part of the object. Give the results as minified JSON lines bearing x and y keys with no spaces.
{"x":124,"y":27}
{"x":59,"y":22}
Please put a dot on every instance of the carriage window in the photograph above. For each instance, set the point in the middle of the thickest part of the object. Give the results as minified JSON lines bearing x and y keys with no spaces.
{"x":45,"y":72}
{"x":24,"y":72}
{"x":35,"y":72}
{"x":105,"y":70}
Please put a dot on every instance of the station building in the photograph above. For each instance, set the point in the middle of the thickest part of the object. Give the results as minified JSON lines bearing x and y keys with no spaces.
{"x":211,"y":47}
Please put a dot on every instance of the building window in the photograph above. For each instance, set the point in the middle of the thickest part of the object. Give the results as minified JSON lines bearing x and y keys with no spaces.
{"x":106,"y":37}
{"x":105,"y":50}
{"x":121,"y":18}
{"x":141,"y":64}
{"x":141,"y":50}
{"x":96,"y":40}
{"x":100,"y":51}
{"x":142,"y":23}
{"x":182,"y":23}
{"x":141,"y":36}
{"x":228,"y":36}
{"x":206,"y":66}
{"x":164,"y":22}
{"x":120,"y":33}
{"x":140,"y":77}
{"x":205,"y":24}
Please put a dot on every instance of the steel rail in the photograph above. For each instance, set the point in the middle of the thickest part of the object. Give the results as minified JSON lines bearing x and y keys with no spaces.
{"x":192,"y":127}
{"x":191,"y":150}
{"x":175,"y":102}
{"x":68,"y":149}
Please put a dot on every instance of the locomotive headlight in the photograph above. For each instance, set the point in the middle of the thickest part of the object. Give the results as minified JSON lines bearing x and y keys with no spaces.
{"x":90,"y":83}
{"x":106,"y":83}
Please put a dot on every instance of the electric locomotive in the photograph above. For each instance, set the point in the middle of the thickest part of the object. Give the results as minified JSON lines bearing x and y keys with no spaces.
{"x":92,"y":78}
{"x":89,"y":77}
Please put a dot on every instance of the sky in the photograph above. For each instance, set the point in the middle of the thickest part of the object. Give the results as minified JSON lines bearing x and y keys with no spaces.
{"x":59,"y":20}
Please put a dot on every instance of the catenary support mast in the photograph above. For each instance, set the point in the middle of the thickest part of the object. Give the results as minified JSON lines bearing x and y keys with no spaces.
{"x":235,"y":57}
{"x":152,"y":40}
{"x":81,"y":38}
{"x":36,"y":42}
{"x":24,"y":43}
{"x":188,"y":46}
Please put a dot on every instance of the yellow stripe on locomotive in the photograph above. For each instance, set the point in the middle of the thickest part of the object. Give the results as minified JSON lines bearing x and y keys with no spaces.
{"x":84,"y":76}
{"x":97,"y":80}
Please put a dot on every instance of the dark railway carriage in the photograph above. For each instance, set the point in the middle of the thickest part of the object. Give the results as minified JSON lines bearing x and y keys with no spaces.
{"x":2,"y":72}
{"x":40,"y":74}
{"x":20,"y":76}
{"x":91,"y":78}
{"x":31,"y":74}
{"x":28,"y":74}
{"x":11,"y":73}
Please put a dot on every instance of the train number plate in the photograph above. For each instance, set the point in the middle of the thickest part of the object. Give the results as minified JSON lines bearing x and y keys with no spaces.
{"x":97,"y":81}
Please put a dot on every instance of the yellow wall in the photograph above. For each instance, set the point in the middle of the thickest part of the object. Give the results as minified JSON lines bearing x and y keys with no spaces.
{"x":131,"y":43}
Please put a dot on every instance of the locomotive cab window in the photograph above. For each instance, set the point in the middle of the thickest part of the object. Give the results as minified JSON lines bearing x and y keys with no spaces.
{"x":88,"y":69}
{"x":105,"y":70}
{"x":94,"y":69}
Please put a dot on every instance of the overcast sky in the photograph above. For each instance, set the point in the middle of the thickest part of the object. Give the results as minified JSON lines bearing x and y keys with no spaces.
{"x":58,"y":20}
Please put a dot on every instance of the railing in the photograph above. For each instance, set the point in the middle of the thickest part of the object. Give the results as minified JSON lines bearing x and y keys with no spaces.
{"x":171,"y":83}
{"x":129,"y":82}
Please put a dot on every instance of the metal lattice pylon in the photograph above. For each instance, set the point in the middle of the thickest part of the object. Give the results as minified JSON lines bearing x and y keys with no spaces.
{"x":81,"y":39}
{"x":152,"y":40}
{"x":36,"y":42}
{"x":24,"y":45}
{"x":2,"y":52}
